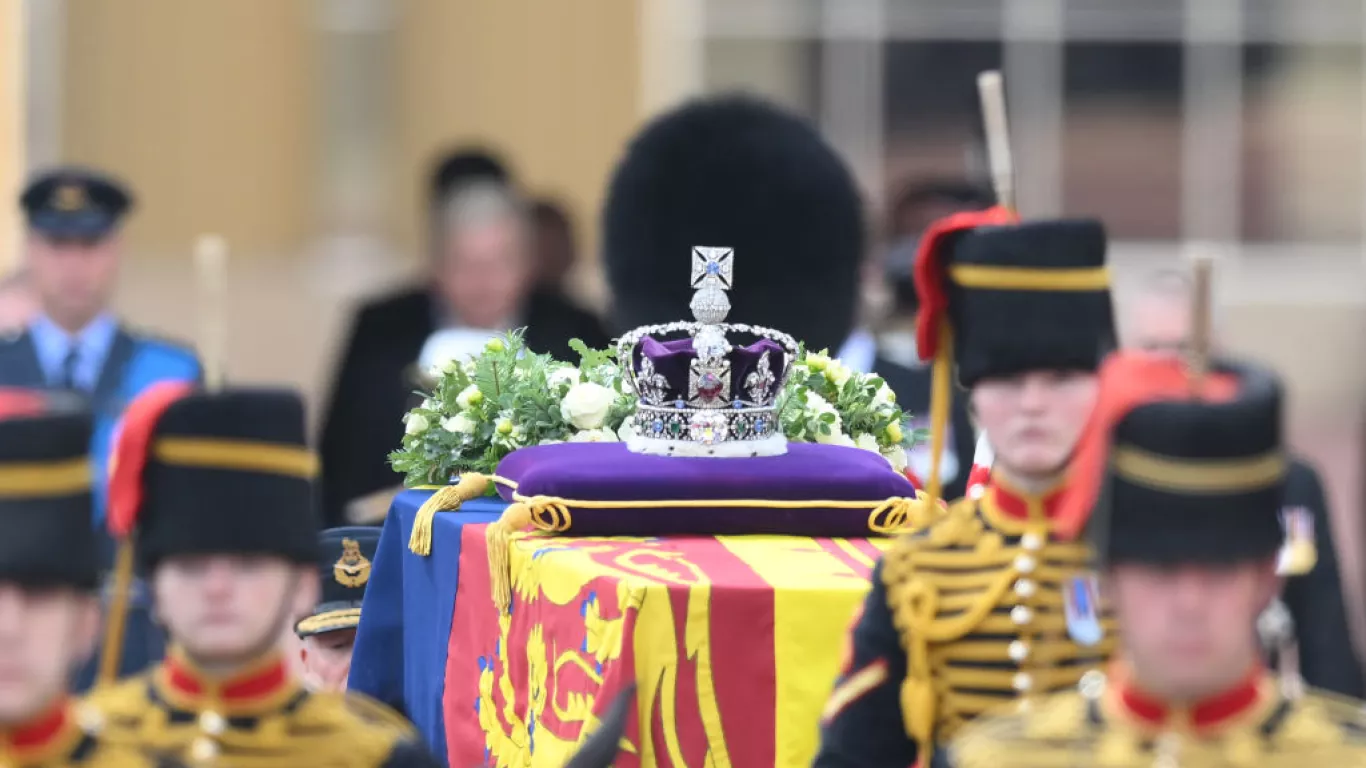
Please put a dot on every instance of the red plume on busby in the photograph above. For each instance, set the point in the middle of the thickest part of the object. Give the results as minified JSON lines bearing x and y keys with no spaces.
{"x":931,"y":273}
{"x":132,"y":442}
{"x":1128,"y":380}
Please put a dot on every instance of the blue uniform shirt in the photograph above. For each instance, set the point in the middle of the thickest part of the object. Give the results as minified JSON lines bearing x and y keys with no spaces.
{"x":91,"y":344}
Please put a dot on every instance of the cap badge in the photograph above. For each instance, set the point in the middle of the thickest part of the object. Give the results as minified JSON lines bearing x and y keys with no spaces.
{"x":69,"y":197}
{"x":351,"y":569}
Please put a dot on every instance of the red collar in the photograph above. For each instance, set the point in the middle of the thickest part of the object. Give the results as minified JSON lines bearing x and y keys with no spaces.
{"x":1248,"y":696}
{"x":52,"y":733}
{"x":261,"y":686}
{"x":1020,"y":506}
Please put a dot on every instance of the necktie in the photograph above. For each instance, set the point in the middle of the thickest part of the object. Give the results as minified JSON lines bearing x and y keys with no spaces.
{"x":73,"y":358}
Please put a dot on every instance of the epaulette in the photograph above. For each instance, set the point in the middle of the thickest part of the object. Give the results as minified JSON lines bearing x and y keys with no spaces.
{"x":1055,"y":730}
{"x":1321,"y":719}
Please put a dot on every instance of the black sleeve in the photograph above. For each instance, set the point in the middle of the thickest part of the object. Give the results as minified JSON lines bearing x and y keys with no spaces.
{"x":411,"y":754}
{"x":1327,"y":658}
{"x":862,"y":724}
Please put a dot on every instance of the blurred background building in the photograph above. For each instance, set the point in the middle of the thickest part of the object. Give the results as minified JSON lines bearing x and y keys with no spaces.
{"x":302,"y":131}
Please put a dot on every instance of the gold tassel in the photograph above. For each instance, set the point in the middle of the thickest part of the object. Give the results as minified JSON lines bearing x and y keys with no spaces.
{"x":499,"y":535}
{"x":112,"y":652}
{"x":918,"y":714}
{"x":941,"y":400}
{"x":471,"y":485}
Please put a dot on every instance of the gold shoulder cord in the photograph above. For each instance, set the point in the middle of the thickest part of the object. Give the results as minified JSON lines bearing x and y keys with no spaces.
{"x":914,"y":603}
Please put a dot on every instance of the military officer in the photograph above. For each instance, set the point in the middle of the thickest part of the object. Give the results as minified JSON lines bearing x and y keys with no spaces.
{"x":49,"y":617}
{"x":1185,"y":475}
{"x":328,"y":632}
{"x":219,"y":487}
{"x":1311,"y":614}
{"x":984,"y":606}
{"x":75,"y":342}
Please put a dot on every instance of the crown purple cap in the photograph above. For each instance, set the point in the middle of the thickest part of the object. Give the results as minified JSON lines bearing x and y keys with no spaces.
{"x":701,"y":395}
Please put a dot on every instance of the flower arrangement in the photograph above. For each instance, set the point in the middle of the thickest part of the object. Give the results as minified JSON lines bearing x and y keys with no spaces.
{"x":508,"y":397}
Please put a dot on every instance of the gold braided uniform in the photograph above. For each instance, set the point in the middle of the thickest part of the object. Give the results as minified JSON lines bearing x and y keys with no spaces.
{"x":262,"y":721}
{"x":71,"y":736}
{"x":1096,"y":729}
{"x":977,"y":605}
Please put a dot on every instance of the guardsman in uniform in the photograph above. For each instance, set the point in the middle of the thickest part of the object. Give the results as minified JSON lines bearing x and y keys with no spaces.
{"x":985,"y":606}
{"x":75,"y":343}
{"x":1185,"y":474}
{"x":329,"y":631}
{"x":1311,"y":614}
{"x":219,"y":487}
{"x":49,"y":616}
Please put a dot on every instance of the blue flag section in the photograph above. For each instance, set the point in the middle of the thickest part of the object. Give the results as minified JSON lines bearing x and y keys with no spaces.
{"x":400,"y":653}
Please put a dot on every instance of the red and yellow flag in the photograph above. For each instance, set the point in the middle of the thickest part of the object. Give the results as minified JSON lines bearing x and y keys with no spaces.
{"x":733,"y":642}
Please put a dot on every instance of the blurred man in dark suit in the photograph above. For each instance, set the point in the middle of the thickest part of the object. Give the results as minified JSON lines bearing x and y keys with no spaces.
{"x":480,"y":278}
{"x":1158,"y":318}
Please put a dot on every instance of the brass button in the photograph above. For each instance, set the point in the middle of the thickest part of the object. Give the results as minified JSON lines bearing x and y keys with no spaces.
{"x":1032,"y":542}
{"x":203,"y":749}
{"x":212,"y":723}
{"x":976,"y":492}
{"x":1024,"y":564}
{"x":1022,"y":682}
{"x":1024,"y":588}
{"x":1021,"y":614}
{"x":1018,"y":650}
{"x":1092,"y":685}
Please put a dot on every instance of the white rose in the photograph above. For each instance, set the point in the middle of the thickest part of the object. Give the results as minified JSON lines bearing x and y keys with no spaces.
{"x":566,"y":374}
{"x":429,"y":404}
{"x":460,"y":423}
{"x":416,"y":423}
{"x":586,"y":405}
{"x":896,"y":456}
{"x":867,"y":442}
{"x":594,"y":436}
{"x":627,"y":431}
{"x":884,"y":398}
{"x":468,"y":397}
{"x":817,"y":404}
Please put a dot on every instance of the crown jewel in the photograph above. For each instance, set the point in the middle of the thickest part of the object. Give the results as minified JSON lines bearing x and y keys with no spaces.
{"x":702,"y":395}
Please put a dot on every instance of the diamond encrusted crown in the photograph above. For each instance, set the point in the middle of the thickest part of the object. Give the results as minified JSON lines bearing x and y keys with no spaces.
{"x":701,"y":395}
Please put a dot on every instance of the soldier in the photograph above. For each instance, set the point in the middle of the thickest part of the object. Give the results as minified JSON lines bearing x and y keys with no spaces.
{"x":1185,"y":474}
{"x":328,"y":632}
{"x":76,"y":344}
{"x":1311,"y":614}
{"x":984,"y":606}
{"x":49,"y":616}
{"x":220,"y":490}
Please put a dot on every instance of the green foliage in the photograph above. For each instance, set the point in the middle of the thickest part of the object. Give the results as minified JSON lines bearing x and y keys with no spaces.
{"x":509,"y":397}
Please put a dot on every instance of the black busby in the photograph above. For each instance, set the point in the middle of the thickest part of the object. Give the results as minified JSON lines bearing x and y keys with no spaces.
{"x":736,"y":172}
{"x":1019,"y":296}
{"x":215,"y":473}
{"x":1175,"y":470}
{"x":75,"y":202}
{"x":45,"y":494}
{"x":344,"y":559}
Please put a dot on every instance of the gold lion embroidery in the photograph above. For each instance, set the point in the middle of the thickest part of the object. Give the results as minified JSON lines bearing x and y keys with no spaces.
{"x":351,"y":569}
{"x":69,"y":197}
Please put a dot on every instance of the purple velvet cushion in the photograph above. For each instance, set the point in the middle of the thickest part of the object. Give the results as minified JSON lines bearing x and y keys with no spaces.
{"x":608,"y":472}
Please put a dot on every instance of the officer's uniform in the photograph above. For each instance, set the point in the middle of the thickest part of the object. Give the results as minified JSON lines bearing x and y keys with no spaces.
{"x":985,"y":606}
{"x":106,"y":362}
{"x":229,"y":473}
{"x":1177,"y":480}
{"x":345,"y":556}
{"x":45,"y":542}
